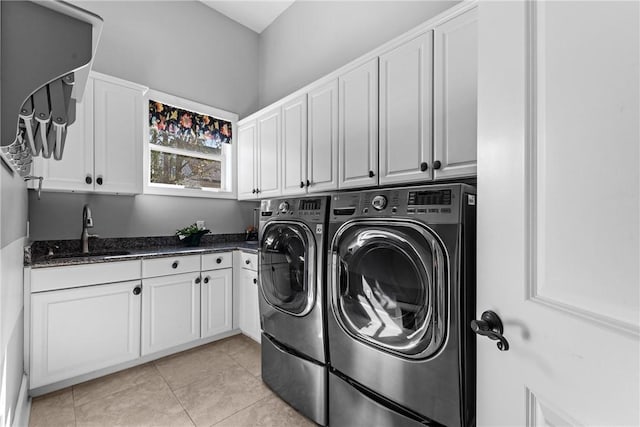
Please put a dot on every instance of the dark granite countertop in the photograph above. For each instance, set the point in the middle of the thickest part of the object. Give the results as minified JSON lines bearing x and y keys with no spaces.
{"x":112,"y":250}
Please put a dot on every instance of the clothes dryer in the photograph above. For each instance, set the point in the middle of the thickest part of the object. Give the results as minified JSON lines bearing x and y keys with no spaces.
{"x":291,"y":272}
{"x":401,"y":295}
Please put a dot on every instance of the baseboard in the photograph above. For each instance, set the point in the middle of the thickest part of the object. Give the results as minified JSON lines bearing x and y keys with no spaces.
{"x":23,"y":407}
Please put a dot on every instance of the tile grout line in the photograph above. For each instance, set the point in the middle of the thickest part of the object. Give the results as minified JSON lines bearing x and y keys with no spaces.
{"x":240,"y":410}
{"x":175,"y":397}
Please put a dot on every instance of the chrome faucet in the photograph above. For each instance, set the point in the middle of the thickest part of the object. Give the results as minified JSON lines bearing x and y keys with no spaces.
{"x":87,"y":222}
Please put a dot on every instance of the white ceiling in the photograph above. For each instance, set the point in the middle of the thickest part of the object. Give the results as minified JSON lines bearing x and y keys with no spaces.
{"x":254,"y":14}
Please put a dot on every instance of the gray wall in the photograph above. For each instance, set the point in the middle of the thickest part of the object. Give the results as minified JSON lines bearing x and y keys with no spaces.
{"x":313,"y":38}
{"x":184,"y":49}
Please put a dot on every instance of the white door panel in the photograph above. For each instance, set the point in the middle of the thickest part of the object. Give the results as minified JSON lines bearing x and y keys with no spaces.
{"x":247,"y":164}
{"x":216,"y":301}
{"x":322,"y":157}
{"x":294,"y":146}
{"x":269,"y":154}
{"x":558,"y":212}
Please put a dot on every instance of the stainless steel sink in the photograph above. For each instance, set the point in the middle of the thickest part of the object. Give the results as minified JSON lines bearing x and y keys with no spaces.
{"x":90,"y":254}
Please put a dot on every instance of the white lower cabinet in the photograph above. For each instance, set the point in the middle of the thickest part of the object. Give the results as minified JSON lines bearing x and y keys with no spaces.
{"x":249,"y":316}
{"x":81,"y":330}
{"x":216,"y":302}
{"x":170,"y":311}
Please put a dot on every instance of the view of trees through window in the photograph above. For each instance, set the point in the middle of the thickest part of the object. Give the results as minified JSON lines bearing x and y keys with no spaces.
{"x":186,"y":148}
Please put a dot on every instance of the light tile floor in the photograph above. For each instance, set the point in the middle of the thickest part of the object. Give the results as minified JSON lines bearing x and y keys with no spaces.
{"x":215,"y":384}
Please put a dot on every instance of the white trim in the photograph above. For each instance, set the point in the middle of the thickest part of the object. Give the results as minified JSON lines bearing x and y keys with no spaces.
{"x":23,"y":407}
{"x":119,"y":82}
{"x":429,"y":25}
{"x":228,"y":157}
{"x":186,"y":153}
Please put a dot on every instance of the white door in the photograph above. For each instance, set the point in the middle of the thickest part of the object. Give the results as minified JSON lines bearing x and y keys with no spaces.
{"x":558,"y":212}
{"x":406,"y":96}
{"x":322,"y":157}
{"x":358,"y":127}
{"x":249,"y":316}
{"x":294,"y":146}
{"x":170,"y":311}
{"x":216,"y":301}
{"x":80,"y":330}
{"x":75,"y":171}
{"x":269,"y":154}
{"x":118,"y":113}
{"x":247,"y":164}
{"x":455,"y":91}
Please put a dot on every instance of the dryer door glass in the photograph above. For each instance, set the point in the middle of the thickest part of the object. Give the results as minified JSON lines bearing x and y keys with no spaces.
{"x":286,"y":272}
{"x":389,"y":287}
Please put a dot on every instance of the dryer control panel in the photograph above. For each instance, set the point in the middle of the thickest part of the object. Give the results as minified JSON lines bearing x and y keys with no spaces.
{"x":312,"y":209}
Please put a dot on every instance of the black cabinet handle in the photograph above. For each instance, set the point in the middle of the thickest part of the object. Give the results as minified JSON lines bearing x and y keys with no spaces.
{"x":175,"y":264}
{"x":308,"y":183}
{"x":219,"y":260}
{"x":99,"y":180}
{"x":206,"y":279}
{"x":301,"y":184}
{"x":490,"y":326}
{"x":137,"y":290}
{"x":253,"y":191}
{"x":437,"y":164}
{"x":371,"y":174}
{"x":88,"y":179}
{"x":197,"y":279}
{"x":248,"y":262}
{"x":424,"y":166}
{"x":255,"y":280}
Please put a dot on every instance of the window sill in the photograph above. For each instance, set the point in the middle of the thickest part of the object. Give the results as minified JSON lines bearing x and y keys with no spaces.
{"x":189,"y":192}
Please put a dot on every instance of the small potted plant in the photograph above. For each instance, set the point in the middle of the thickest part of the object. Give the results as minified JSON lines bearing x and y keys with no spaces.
{"x":191,"y":235}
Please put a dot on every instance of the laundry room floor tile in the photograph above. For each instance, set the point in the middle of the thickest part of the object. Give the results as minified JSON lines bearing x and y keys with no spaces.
{"x":214,"y":383}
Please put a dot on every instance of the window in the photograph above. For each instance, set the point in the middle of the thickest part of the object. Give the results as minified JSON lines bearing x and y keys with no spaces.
{"x":189,"y":148}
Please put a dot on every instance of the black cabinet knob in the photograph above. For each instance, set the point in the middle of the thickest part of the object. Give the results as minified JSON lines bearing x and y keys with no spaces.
{"x":253,"y":191}
{"x":437,"y":164}
{"x":206,"y":279}
{"x":175,"y":264}
{"x":248,"y":262}
{"x":257,"y":190}
{"x":308,"y":183}
{"x":371,"y":174}
{"x":88,"y":179}
{"x":99,"y":180}
{"x":137,"y":290}
{"x":424,"y":166}
{"x":301,"y":184}
{"x":255,"y":280}
{"x":197,"y":279}
{"x":219,"y":260}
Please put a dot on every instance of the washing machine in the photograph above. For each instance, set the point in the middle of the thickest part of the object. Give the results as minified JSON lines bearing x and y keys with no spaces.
{"x":291,"y":275}
{"x":401,"y":295}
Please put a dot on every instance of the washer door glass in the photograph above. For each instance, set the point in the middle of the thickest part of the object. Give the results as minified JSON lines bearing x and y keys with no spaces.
{"x":389,"y":286}
{"x":286,"y":267}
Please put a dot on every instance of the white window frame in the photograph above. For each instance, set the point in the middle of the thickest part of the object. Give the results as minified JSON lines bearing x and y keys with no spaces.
{"x":230,"y":151}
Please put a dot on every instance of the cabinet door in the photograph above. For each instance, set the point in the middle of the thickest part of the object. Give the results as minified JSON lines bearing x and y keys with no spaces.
{"x":216,"y":302}
{"x":358,"y":124}
{"x":249,"y":318}
{"x":405,"y":112}
{"x":118,"y":117}
{"x":455,"y":77}
{"x":170,"y":311}
{"x":81,"y":330}
{"x":71,"y":173}
{"x":322,"y":156}
{"x":247,"y":164}
{"x":269,"y":154}
{"x":294,"y":146}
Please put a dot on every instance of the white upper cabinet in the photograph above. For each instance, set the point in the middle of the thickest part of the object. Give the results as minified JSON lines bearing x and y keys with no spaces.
{"x":358,"y":126}
{"x":269,"y":154}
{"x":76,"y":165}
{"x":247,"y":164}
{"x":118,"y":113}
{"x":103,"y":149}
{"x":322,"y":157}
{"x":455,"y":77}
{"x":294,"y":146}
{"x":405,"y":112}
